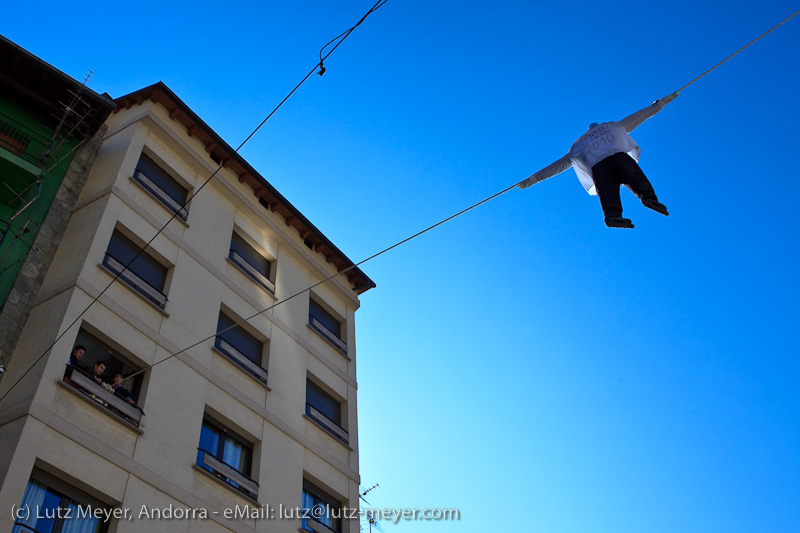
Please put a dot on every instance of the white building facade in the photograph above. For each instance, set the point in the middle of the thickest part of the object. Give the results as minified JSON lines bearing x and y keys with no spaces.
{"x":236,"y":431}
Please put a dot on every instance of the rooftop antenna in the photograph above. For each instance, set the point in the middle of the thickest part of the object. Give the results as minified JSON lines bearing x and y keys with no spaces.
{"x":370,"y":514}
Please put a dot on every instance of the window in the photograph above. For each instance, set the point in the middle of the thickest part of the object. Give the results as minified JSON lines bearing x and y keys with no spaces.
{"x":160,"y":184}
{"x":325,"y":410}
{"x":227,"y":456}
{"x":322,"y":512}
{"x":145,"y":275}
{"x":57,"y":510}
{"x":240,"y":347}
{"x":251,"y":261}
{"x":122,"y":396}
{"x":326,"y":324}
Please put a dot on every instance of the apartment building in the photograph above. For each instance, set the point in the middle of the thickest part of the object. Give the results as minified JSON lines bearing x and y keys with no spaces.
{"x":231,"y":420}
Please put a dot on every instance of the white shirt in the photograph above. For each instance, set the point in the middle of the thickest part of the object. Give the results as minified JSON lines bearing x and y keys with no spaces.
{"x":598,"y":143}
{"x":595,"y":145}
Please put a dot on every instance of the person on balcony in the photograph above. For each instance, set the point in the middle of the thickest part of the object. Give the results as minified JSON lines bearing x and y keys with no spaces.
{"x":75,"y":361}
{"x":121,"y":391}
{"x":97,"y":372}
{"x":76,"y":358}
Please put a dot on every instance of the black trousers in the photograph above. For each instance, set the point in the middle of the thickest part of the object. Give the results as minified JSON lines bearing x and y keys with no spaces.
{"x":614,"y":171}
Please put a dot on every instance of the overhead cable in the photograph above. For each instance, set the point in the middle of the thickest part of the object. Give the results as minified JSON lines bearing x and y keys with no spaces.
{"x":339,"y":40}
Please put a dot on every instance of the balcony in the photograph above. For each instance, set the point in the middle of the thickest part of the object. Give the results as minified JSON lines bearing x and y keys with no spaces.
{"x":110,"y":401}
{"x":137,"y":283}
{"x":237,"y":357}
{"x":259,"y":277}
{"x":227,"y":473}
{"x":332,"y":427}
{"x":151,"y":187}
{"x":312,"y":524}
{"x":22,"y":154}
{"x":22,"y":141}
{"x":327,"y":334}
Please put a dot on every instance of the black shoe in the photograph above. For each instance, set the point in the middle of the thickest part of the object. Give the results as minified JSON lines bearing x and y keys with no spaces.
{"x":618,"y":222}
{"x":657,"y":206}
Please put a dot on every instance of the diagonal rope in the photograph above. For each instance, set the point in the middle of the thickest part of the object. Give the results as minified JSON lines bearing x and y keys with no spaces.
{"x":341,"y":38}
{"x":319,"y":66}
{"x":740,"y":49}
{"x":295,"y":295}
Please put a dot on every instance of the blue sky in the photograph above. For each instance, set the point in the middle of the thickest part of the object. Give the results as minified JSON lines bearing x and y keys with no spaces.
{"x":523,"y":363}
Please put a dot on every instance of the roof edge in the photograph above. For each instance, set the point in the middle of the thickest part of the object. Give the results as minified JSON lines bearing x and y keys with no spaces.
{"x":269,"y":197}
{"x":102,"y":103}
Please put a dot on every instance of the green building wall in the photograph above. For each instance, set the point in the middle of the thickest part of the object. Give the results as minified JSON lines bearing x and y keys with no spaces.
{"x":25,"y":139}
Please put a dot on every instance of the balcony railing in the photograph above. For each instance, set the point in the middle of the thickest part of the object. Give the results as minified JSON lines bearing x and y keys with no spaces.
{"x":251,"y":271}
{"x":229,"y":474}
{"x":312,"y":524}
{"x":242,"y":360}
{"x":147,"y":290}
{"x":115,"y":404}
{"x":159,"y":193}
{"x":328,"y":334}
{"x":21,"y":140}
{"x":328,"y":424}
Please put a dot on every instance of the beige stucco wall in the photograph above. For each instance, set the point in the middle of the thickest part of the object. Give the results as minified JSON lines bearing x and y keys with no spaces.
{"x":47,"y":425}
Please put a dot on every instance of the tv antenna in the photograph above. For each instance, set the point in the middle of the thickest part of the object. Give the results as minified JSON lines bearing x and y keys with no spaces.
{"x":369,"y":514}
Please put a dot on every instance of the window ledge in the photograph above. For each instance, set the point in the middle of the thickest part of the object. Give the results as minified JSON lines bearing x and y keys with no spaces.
{"x":328,"y":432}
{"x":339,"y":350}
{"x":223,"y":483}
{"x":133,"y":290}
{"x":100,"y":407}
{"x":270,"y":292}
{"x":229,"y":359}
{"x":161,"y":202}
{"x":316,"y":527}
